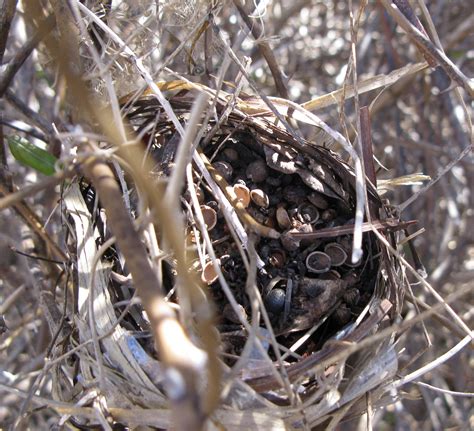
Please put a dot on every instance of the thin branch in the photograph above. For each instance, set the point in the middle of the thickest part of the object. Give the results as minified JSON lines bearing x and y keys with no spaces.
{"x":264,"y":48}
{"x":11,"y":199}
{"x":7,"y":12}
{"x":427,"y":48}
{"x":24,"y":52}
{"x":369,"y":84}
{"x":444,"y":170}
{"x":432,"y":365}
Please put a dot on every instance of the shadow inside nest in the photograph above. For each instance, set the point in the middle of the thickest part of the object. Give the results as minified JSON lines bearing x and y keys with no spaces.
{"x":287,"y":186}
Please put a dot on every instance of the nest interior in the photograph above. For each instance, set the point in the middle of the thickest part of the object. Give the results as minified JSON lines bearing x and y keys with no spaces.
{"x":279,"y":215}
{"x":299,"y":201}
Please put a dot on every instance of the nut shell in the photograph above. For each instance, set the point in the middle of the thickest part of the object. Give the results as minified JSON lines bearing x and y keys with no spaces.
{"x":231,"y":154}
{"x":230,"y":314}
{"x":351,"y":296}
{"x":328,"y":215}
{"x":342,"y":315}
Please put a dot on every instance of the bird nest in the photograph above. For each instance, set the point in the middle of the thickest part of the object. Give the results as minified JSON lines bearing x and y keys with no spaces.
{"x":269,"y":227}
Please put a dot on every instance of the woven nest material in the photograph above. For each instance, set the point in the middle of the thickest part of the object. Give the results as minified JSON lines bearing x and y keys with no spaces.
{"x":279,"y":213}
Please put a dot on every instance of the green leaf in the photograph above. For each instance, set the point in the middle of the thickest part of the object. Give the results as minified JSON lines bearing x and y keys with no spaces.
{"x":32,"y":156}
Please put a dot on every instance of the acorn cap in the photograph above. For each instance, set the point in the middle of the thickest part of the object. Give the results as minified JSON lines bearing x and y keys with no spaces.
{"x":210,"y":216}
{"x":242,"y":194}
{"x":318,"y":262}
{"x":259,"y":198}
{"x":209,"y":274}
{"x":277,"y":258}
{"x":336,"y":253}
{"x":308,"y":213}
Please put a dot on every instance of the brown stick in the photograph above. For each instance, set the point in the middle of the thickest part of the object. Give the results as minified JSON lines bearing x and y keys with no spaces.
{"x":407,"y":10}
{"x":175,"y":349}
{"x":7,"y":12}
{"x":264,"y":48}
{"x":187,"y":363}
{"x":368,"y":155}
{"x":33,"y":221}
{"x":16,"y":196}
{"x":45,"y":27}
{"x":332,"y":232}
{"x":427,"y":48}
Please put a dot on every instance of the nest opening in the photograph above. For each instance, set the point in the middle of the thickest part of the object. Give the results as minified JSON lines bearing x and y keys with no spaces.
{"x":291,"y":189}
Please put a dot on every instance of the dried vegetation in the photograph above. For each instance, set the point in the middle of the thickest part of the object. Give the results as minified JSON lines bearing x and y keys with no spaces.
{"x":260,"y":215}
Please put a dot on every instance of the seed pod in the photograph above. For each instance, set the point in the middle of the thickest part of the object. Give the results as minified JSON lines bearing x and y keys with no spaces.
{"x":242,"y":194}
{"x":336,"y":253}
{"x":318,"y":201}
{"x":318,"y":262}
{"x":283,"y":218}
{"x":260,"y":198}
{"x":210,"y":216}
{"x":209,"y":274}
{"x":308,"y":213}
{"x":257,"y":171}
{"x":32,"y":156}
{"x":275,"y":300}
{"x":225,"y":169}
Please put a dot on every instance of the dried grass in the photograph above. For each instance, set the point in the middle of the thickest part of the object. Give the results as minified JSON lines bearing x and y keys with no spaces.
{"x":77,"y":347}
